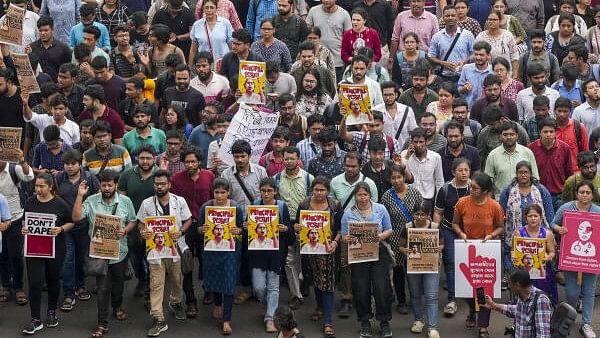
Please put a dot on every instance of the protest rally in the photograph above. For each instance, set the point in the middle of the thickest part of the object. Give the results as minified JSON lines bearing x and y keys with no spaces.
{"x":299,"y":168}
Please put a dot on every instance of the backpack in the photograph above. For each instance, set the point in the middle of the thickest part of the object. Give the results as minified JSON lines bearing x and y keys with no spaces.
{"x":306,"y":179}
{"x":523,"y":65}
{"x":21,"y":186}
{"x":562,"y":319}
{"x":581,"y":96}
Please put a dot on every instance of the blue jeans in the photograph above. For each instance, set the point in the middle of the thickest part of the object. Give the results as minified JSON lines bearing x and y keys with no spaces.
{"x":77,"y":243}
{"x":266,"y":288}
{"x":586,"y":292}
{"x":507,"y":264}
{"x":448,"y":259}
{"x":325,"y":301}
{"x":424,"y":286}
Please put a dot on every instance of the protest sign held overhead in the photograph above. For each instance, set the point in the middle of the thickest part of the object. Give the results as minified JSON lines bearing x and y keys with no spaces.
{"x":10,"y":143}
{"x":252,"y":80}
{"x":25,"y":74}
{"x":355,"y":103}
{"x":11,"y":26}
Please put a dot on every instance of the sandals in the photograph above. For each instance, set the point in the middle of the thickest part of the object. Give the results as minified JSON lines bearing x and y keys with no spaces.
{"x":4,"y":294}
{"x":83,"y":294}
{"x":328,"y":331}
{"x":21,"y":297}
{"x":120,"y":314}
{"x":217,"y":312}
{"x":317,"y":315}
{"x":100,"y":332}
{"x":207,"y":300}
{"x":227,"y":330}
{"x":483,"y":333}
{"x":67,"y":304}
{"x":470,"y":322}
{"x":242,"y":297}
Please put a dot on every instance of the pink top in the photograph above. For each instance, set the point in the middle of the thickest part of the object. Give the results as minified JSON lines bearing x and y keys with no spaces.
{"x":512,"y":90}
{"x":226,"y":9}
{"x":424,"y":26}
{"x":352,"y":41}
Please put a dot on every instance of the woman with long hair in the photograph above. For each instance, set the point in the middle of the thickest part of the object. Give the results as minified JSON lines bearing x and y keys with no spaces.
{"x":559,"y":42}
{"x":175,"y":119}
{"x":46,"y":270}
{"x":512,"y":24}
{"x":360,"y":36}
{"x":311,"y":98}
{"x":462,"y":19}
{"x":221,"y":268}
{"x":270,"y":48}
{"x":502,"y":41}
{"x":509,"y":87}
{"x":478,"y":216}
{"x":400,"y":201}
{"x":323,"y":268}
{"x":405,"y":61}
{"x":442,"y":108}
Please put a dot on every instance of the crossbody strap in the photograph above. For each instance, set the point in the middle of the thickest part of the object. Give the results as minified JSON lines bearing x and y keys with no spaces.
{"x":401,"y":205}
{"x":243,"y":186}
{"x":402,"y":123}
{"x":452,"y":46}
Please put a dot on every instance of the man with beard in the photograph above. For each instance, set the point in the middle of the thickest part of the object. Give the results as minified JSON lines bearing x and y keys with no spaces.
{"x":538,"y":80}
{"x":569,"y":131}
{"x":188,"y":97}
{"x":10,"y":101}
{"x":97,"y":110}
{"x":342,"y":188}
{"x":289,"y":27}
{"x":67,"y":73}
{"x":425,"y":165}
{"x":588,"y":112}
{"x":86,"y":140}
{"x":470,"y":84}
{"x":419,"y":96}
{"x":378,"y":168}
{"x":417,"y":20}
{"x":289,"y":118}
{"x":105,"y":155}
{"x":492,"y":87}
{"x":309,"y":147}
{"x":46,"y":51}
{"x":538,"y":56}
{"x":578,"y":56}
{"x":361,"y":139}
{"x":240,"y":50}
{"x":330,"y":161}
{"x":206,"y":132}
{"x":433,"y":140}
{"x":398,"y":118}
{"x":460,"y":114}
{"x":278,"y":83}
{"x":137,"y":183}
{"x":143,"y":134}
{"x":134,"y":90}
{"x":114,"y":85}
{"x":501,"y":162}
{"x":214,"y":87}
{"x":489,"y":137}
{"x":164,"y":203}
{"x":166,"y":79}
{"x":77,"y":240}
{"x":108,"y":202}
{"x":194,"y":185}
{"x":586,"y":162}
{"x":170,"y":158}
{"x":180,"y":20}
{"x":457,"y":148}
{"x":308,"y":60}
{"x":360,"y":65}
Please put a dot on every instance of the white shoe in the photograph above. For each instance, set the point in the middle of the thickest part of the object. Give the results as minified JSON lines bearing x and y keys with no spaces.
{"x":450,"y":309}
{"x":433,"y":333}
{"x":587,"y":331}
{"x":417,"y":327}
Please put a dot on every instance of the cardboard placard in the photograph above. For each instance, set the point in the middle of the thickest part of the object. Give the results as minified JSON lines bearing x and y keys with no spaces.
{"x":11,"y":26}
{"x":365,"y":247}
{"x":105,"y":239}
{"x":423,"y":254}
{"x":10,"y":142}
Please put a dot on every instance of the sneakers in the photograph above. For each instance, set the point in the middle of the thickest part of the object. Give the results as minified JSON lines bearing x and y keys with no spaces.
{"x":386,"y":330}
{"x":587,"y":331}
{"x":402,"y":308}
{"x":450,"y":309}
{"x":178,"y":311}
{"x":417,"y":327}
{"x":345,"y":309}
{"x":157,"y":328}
{"x":365,"y":329}
{"x":32,"y":327}
{"x":51,"y":319}
{"x":433,"y":333}
{"x":67,"y":304}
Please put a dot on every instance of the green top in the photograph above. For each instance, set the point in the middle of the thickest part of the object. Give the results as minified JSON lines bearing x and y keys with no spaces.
{"x":568,"y":193}
{"x":132,"y":141}
{"x":94,"y":204}
{"x":137,"y":189}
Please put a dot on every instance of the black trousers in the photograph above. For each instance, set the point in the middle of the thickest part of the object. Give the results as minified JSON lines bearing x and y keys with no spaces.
{"x":48,"y":269}
{"x":110,"y":289}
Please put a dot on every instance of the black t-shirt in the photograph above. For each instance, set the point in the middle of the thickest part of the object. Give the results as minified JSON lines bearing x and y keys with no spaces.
{"x":56,"y":206}
{"x":180,"y":24}
{"x":12,"y":113}
{"x":192,"y":100}
{"x":446,"y":199}
{"x":114,"y":90}
{"x":138,"y":41}
{"x":127,"y":108}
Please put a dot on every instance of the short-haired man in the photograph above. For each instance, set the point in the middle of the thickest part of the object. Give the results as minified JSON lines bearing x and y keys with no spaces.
{"x":47,"y":155}
{"x":360,"y":139}
{"x":114,"y":85}
{"x":570,"y":86}
{"x":273,"y":161}
{"x":86,"y":140}
{"x":307,"y":60}
{"x":179,"y":19}
{"x":538,"y":56}
{"x":398,"y":118}
{"x":460,"y":114}
{"x":360,"y":65}
{"x":289,"y":117}
{"x":278,"y":83}
{"x":434,"y":140}
{"x":457,"y":148}
{"x":541,"y":107}
{"x":290,"y":28}
{"x":87,"y":14}
{"x":489,"y":137}
{"x":170,"y":158}
{"x":123,"y":59}
{"x":213,"y":162}
{"x":587,"y":112}
{"x":67,"y":74}
{"x":210,"y":84}
{"x":240,"y":50}
{"x":578,"y":56}
{"x":568,"y":130}
{"x":206,"y":132}
{"x":144,"y":133}
{"x":470,"y":84}
{"x":96,"y":108}
{"x":105,"y":155}
{"x":134,"y":92}
{"x":538,"y":80}
{"x":418,"y":97}
{"x":164,"y":203}
{"x":329,"y":162}
{"x":378,"y":168}
{"x":47,"y":51}
{"x":586,"y":162}
{"x":244,"y":176}
{"x":310,"y":147}
{"x":90,"y":38}
{"x":183,"y":94}
{"x":69,"y":130}
{"x":492,"y":88}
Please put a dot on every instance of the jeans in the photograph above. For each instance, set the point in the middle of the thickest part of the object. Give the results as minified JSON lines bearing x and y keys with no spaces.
{"x":586,"y":292}
{"x":77,"y":243}
{"x":137,"y":257}
{"x":325,"y":301}
{"x":266,"y":288}
{"x":424,"y":286}
{"x":110,"y":289}
{"x":292,"y":270}
{"x":226,"y":301}
{"x":448,"y":259}
{"x":507,"y":264}
{"x":11,"y":257}
{"x":399,"y":275}
{"x":188,"y":278}
{"x":158,"y":273}
{"x":372,"y":279}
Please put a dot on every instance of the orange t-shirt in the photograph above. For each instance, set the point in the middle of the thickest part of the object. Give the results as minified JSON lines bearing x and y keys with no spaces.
{"x":477,"y":221}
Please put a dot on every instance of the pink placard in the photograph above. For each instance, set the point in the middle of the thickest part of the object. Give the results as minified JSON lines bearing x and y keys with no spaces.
{"x":580,"y":246}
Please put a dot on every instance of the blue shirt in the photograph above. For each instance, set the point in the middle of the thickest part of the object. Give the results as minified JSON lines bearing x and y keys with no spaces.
{"x":258,"y":10}
{"x":201,"y":138}
{"x":570,"y":206}
{"x":65,"y":14}
{"x":43,"y":157}
{"x":219,"y":38}
{"x":76,"y":35}
{"x":379,"y":215}
{"x":575,"y":93}
{"x":475,"y":77}
{"x":441,"y":42}
{"x":4,"y":209}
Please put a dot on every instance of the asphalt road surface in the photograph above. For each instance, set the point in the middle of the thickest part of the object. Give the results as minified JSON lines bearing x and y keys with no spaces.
{"x":246,"y":322}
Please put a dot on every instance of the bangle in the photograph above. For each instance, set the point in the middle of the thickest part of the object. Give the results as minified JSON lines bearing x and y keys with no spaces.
{"x":62,"y":229}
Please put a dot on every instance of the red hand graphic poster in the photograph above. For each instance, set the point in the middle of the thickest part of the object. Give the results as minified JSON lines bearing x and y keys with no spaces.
{"x":580,"y":246}
{"x":477,"y":264}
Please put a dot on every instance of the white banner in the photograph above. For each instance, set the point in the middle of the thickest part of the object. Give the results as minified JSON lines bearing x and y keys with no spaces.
{"x":477,"y":264}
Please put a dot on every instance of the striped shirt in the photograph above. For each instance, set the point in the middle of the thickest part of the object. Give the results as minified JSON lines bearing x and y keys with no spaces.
{"x":117,"y":160}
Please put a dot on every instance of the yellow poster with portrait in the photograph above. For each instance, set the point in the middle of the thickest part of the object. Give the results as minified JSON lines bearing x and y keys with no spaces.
{"x":529,"y":254}
{"x":161,"y":245}
{"x":355,"y":103}
{"x":263,"y":227}
{"x":220,"y":220}
{"x":315,"y":233}
{"x":252,"y":80}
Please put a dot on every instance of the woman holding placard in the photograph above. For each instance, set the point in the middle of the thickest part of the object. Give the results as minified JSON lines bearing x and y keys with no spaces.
{"x":220,"y":268}
{"x":371,"y":279}
{"x":478,"y":216}
{"x":423,"y":285}
{"x":323,"y":267}
{"x":535,"y":229}
{"x":586,"y":288}
{"x":39,"y":269}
